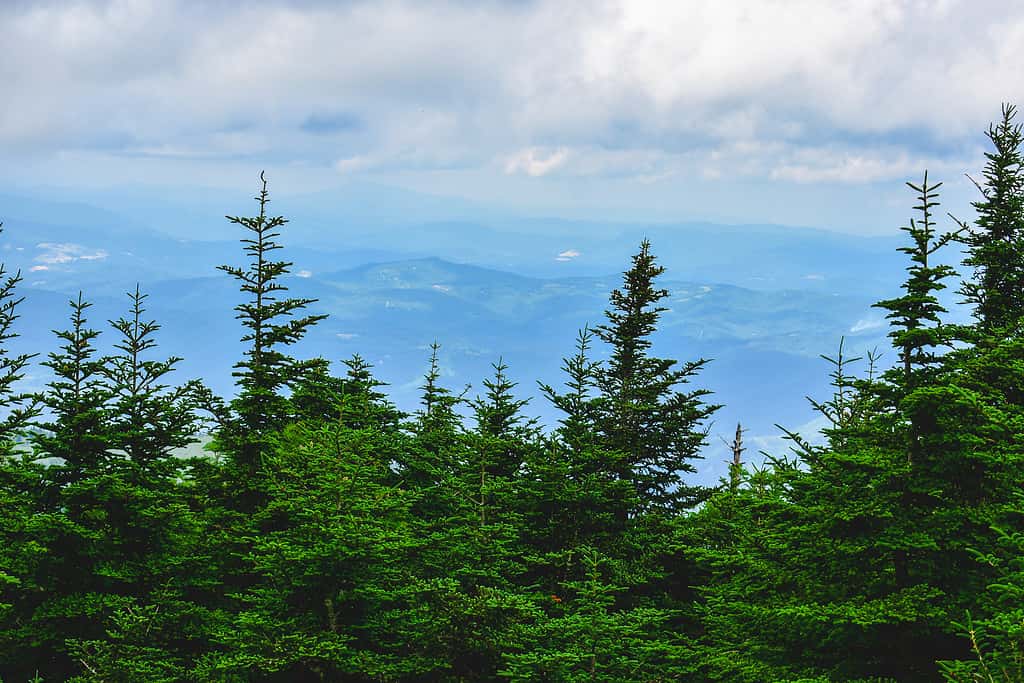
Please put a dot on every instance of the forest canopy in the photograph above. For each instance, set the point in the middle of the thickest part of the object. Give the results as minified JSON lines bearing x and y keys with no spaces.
{"x":325,"y":535}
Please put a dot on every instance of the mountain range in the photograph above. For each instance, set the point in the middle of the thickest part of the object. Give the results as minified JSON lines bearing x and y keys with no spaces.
{"x":762,"y":302}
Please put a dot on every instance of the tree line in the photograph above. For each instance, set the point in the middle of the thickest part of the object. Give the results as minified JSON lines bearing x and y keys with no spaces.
{"x":328,"y":536}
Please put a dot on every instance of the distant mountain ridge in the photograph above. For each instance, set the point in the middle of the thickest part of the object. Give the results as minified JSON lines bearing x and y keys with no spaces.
{"x":762,"y":302}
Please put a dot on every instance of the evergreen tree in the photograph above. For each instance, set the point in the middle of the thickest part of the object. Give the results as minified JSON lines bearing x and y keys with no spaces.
{"x":21,"y":477}
{"x":498,"y":413}
{"x":74,"y":583}
{"x":577,"y":428}
{"x":362,"y":403}
{"x":642,"y":412}
{"x":997,"y":638}
{"x":848,"y":564}
{"x":148,"y":419}
{"x":271,"y":324}
{"x":995,"y":248}
{"x":76,"y":403}
{"x":333,"y":591}
{"x":916,"y":327}
{"x":580,"y":635}
{"x":577,"y":496}
{"x":438,"y":412}
{"x":437,"y":451}
{"x":18,"y":408}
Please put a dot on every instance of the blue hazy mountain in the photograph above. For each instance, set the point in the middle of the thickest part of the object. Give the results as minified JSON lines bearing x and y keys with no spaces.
{"x":761,"y":301}
{"x":364,"y":222}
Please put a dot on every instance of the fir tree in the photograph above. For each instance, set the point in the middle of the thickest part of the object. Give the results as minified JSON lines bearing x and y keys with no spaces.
{"x":581,"y":635}
{"x":917,"y":329}
{"x":149,"y":419}
{"x":270,"y":321}
{"x":438,"y":412}
{"x":19,"y":408}
{"x":643,"y":414}
{"x":362,"y":403}
{"x":76,"y":403}
{"x":577,"y":427}
{"x":995,"y":248}
{"x":574,"y":484}
{"x":498,"y":413}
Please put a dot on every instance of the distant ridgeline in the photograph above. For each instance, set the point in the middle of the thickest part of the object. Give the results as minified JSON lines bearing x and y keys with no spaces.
{"x":329,"y":536}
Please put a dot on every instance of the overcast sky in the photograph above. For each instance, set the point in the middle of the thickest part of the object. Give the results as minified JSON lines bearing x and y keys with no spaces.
{"x":804,"y":112}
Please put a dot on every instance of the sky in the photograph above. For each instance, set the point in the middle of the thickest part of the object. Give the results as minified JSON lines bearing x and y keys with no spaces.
{"x":795,"y":112}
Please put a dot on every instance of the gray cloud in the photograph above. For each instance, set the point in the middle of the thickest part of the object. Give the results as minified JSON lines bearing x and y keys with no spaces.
{"x":796,"y":91}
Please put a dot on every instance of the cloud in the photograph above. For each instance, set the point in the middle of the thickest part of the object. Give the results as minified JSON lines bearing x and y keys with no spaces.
{"x":866,"y":324}
{"x":63,"y":253}
{"x":568,"y":255}
{"x":304,"y":274}
{"x":796,"y":92}
{"x":536,"y":162}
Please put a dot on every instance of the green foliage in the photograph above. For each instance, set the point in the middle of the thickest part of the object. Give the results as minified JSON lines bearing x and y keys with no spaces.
{"x":19,"y":407}
{"x":271,"y":324}
{"x":641,"y":413}
{"x":916,"y":328}
{"x":580,"y":635}
{"x":75,"y":402}
{"x":997,"y":640}
{"x":148,"y":420}
{"x":342,"y":540}
{"x":995,"y":244}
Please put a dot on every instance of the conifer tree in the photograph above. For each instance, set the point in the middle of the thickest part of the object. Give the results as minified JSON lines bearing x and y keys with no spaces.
{"x":643,"y":413}
{"x":583,"y":635}
{"x":271,"y":324}
{"x":148,"y":567}
{"x":76,"y":401}
{"x":852,"y":565}
{"x":577,"y":495}
{"x":917,"y":329}
{"x":21,"y":547}
{"x":498,"y":413}
{"x":18,"y":408}
{"x":149,"y":419}
{"x":362,"y":403}
{"x":577,"y":426}
{"x":438,"y":412}
{"x":996,"y":638}
{"x":995,"y":248}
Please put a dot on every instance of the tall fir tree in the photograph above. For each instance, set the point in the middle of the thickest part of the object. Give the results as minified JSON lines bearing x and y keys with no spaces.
{"x":272,"y":324}
{"x":643,"y":413}
{"x":916,"y":327}
{"x":18,"y":407}
{"x":149,"y":419}
{"x":995,"y":246}
{"x":77,"y":431}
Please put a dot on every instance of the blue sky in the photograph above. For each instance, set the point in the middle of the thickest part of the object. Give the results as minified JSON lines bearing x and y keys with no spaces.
{"x":798,"y":112}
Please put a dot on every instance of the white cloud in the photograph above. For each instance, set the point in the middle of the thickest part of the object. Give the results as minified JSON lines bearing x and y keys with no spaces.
{"x":536,"y":162}
{"x":866,"y":324}
{"x":304,"y":273}
{"x":568,"y":255}
{"x":800,"y":91}
{"x":54,"y":253}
